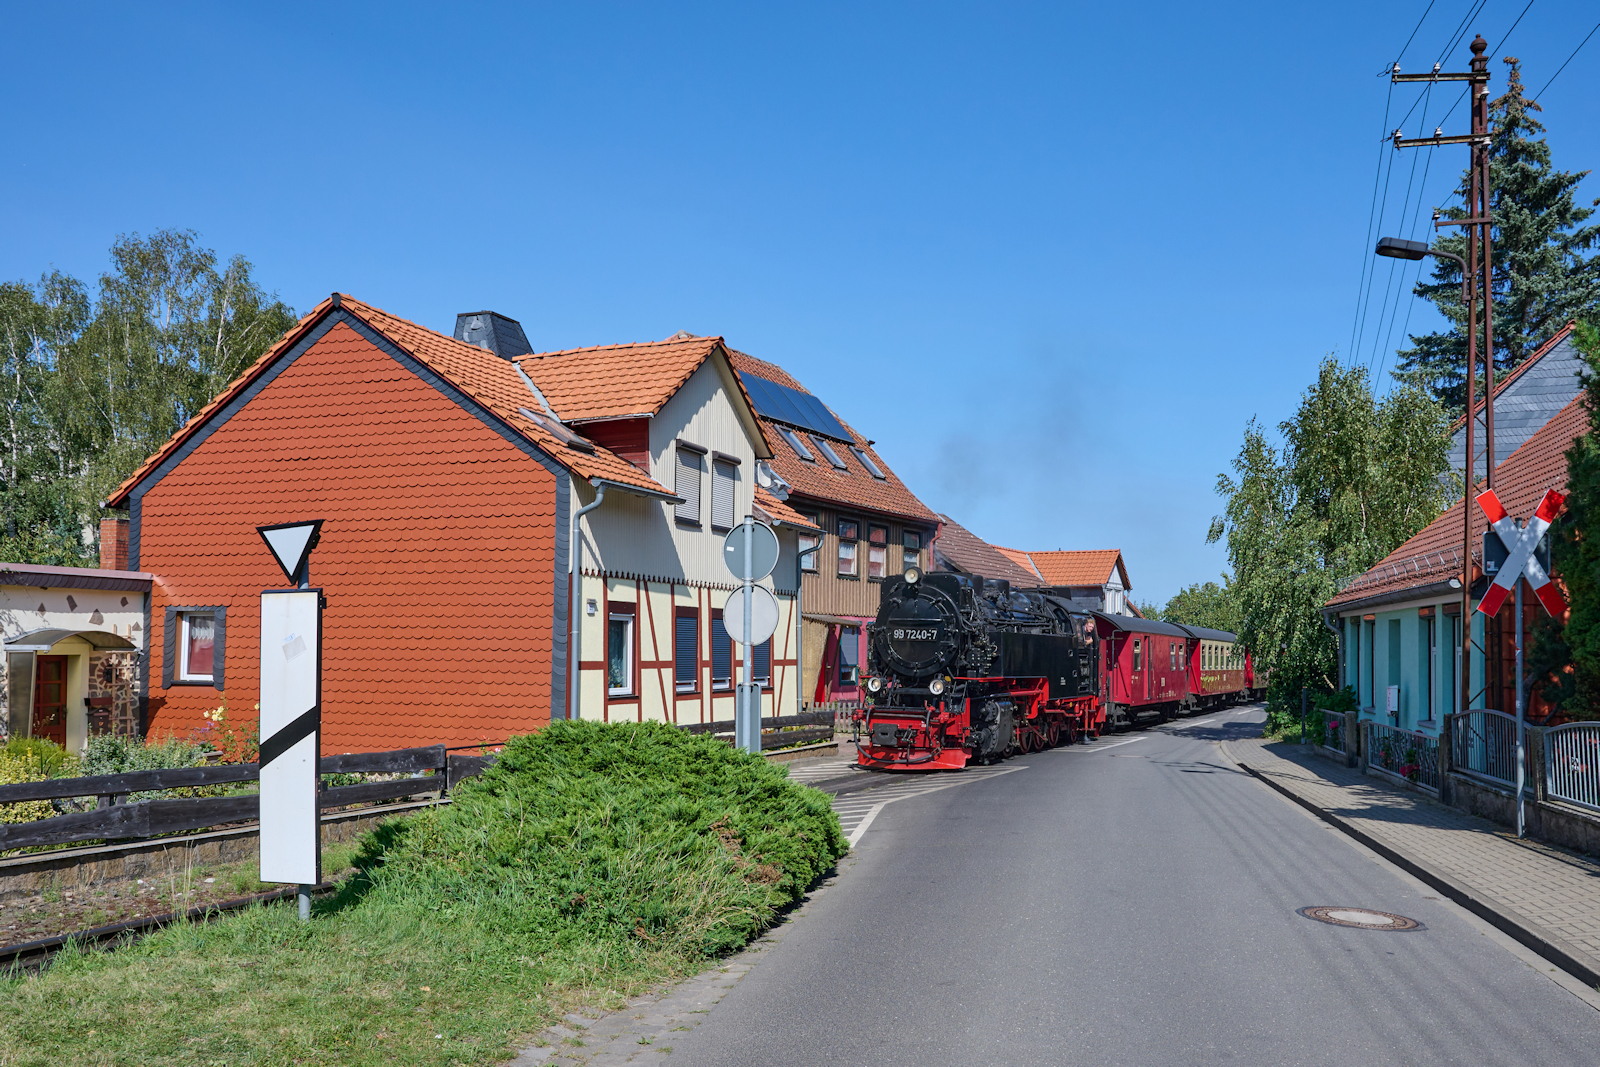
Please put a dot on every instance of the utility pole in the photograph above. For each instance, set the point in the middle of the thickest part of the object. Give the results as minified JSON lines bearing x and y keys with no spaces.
{"x":1479,"y":225}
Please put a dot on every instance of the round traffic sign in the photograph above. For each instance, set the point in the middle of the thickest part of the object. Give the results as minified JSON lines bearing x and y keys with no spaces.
{"x":763,"y":550}
{"x":763,"y":614}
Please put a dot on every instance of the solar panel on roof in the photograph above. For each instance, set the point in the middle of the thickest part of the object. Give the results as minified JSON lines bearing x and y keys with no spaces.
{"x":793,"y":406}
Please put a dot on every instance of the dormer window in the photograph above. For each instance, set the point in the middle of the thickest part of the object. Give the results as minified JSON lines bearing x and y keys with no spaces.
{"x":827,"y":450}
{"x":795,"y":443}
{"x":867,"y":464}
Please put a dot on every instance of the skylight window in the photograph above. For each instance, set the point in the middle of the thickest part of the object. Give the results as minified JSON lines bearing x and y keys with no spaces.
{"x":827,"y":450}
{"x":795,"y":443}
{"x":866,"y":461}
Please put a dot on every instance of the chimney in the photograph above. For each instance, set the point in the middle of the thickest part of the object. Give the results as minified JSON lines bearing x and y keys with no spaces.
{"x":114,"y":544}
{"x":493,"y":332}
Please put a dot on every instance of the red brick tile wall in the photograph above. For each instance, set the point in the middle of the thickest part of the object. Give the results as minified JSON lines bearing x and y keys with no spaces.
{"x":114,"y":544}
{"x":437,"y":554}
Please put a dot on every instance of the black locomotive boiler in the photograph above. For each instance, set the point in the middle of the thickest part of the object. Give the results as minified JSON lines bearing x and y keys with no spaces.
{"x":963,"y":669}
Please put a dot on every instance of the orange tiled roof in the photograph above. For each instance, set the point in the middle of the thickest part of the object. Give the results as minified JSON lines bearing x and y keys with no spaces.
{"x":1020,"y":558}
{"x":972,"y":555}
{"x":779,"y":511}
{"x":486,"y":378}
{"x":853,"y":487}
{"x":1433,"y":555}
{"x":616,"y":381}
{"x":1087,"y":567}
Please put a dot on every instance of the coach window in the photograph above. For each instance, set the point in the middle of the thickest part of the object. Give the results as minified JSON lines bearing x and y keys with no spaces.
{"x":1136,"y":654}
{"x":686,"y":650}
{"x":619,"y":651}
{"x":849,"y":534}
{"x":1172,"y":656}
{"x":912,"y":556}
{"x":877,"y":551}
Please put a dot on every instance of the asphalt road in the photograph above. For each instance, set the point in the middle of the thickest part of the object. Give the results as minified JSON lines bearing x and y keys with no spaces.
{"x":1131,"y":904}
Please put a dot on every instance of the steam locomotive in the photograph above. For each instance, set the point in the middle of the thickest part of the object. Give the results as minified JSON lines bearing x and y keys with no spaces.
{"x":963,"y":669}
{"x":966,"y":669}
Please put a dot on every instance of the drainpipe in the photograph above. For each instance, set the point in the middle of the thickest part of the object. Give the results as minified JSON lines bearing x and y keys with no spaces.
{"x":574,"y":577}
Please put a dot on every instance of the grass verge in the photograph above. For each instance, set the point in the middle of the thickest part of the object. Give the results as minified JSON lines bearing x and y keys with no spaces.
{"x":590,"y":862}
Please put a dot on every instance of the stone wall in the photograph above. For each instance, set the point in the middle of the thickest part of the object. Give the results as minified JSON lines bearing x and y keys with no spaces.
{"x":113,"y":694}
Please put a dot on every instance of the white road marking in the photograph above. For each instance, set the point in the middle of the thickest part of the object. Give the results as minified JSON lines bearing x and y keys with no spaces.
{"x":1202,"y":722}
{"x":866,"y":809}
{"x":1101,"y":748}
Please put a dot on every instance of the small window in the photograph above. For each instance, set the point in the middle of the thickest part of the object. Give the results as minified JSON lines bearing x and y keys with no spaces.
{"x":847,"y":559}
{"x":827,"y":450}
{"x":849,"y":530}
{"x":849,"y":654}
{"x":619,"y":654}
{"x":1136,"y":659}
{"x":723,"y":476}
{"x":867,"y":464}
{"x":721,"y":654}
{"x":912,"y":556}
{"x":1172,"y":656}
{"x":199,"y":645}
{"x":808,"y":559}
{"x":686,"y":650}
{"x":688,"y":486}
{"x":795,"y":443}
{"x":878,"y":535}
{"x":761,"y":664}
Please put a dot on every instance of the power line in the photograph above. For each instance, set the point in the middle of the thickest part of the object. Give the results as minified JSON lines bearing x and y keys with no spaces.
{"x":1379,"y":338}
{"x":1570,"y":58}
{"x":1366,"y":256}
{"x":1413,"y":37}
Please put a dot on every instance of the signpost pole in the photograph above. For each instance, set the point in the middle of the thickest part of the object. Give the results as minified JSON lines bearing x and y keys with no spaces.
{"x":1521,"y":824}
{"x":751,"y":713}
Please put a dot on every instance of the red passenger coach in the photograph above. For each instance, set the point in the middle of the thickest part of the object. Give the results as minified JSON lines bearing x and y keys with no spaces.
{"x":1144,"y":669}
{"x":1219,"y":670}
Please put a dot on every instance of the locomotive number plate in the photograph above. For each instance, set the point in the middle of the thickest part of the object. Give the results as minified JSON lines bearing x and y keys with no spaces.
{"x":908,"y":633}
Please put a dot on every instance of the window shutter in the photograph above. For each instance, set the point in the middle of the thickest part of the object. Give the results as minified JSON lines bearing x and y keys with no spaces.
{"x":688,"y":485}
{"x":686,"y":651}
{"x":722,"y":481}
{"x":762,"y":662}
{"x":721,"y":654}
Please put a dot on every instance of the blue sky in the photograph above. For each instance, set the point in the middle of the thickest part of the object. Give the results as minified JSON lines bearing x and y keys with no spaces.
{"x":1050,"y":257}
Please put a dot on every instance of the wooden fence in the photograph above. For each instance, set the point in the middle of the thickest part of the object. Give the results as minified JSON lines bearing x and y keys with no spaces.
{"x":776,"y":730}
{"x":115,"y":819}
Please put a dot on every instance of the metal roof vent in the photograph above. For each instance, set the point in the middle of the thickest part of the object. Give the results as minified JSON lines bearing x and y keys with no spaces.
{"x":493,"y":332}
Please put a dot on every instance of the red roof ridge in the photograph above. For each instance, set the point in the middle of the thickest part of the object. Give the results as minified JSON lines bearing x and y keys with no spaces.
{"x":710,"y":341}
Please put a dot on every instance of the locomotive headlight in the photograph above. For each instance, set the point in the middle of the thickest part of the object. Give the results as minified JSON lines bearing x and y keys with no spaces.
{"x":936,"y":686}
{"x":874,"y":684}
{"x":912,"y":576}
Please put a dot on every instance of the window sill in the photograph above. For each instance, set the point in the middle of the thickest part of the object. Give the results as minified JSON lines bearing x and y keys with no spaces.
{"x":695,"y":523}
{"x":848,"y":577}
{"x":207,"y":682}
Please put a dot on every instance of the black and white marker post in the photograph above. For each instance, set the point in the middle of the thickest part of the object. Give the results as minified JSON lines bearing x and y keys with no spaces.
{"x":291,"y":714}
{"x":750,"y":551}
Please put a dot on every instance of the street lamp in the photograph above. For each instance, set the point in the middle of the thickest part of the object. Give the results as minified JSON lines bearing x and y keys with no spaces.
{"x":1399,"y":248}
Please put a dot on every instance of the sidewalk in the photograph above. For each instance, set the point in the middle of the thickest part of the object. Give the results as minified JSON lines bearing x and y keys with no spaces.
{"x":1546,"y":897}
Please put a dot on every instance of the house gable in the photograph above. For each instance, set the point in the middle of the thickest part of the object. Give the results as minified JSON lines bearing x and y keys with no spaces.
{"x":443,"y":554}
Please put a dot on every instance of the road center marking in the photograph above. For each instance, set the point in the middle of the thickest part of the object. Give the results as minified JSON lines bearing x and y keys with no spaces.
{"x":1114,"y":744}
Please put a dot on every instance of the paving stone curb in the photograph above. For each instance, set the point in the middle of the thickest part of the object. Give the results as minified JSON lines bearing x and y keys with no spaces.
{"x":1524,"y":930}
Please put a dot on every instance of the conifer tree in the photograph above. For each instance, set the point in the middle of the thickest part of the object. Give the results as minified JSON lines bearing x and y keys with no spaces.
{"x":1541,"y":278}
{"x":1565,"y":654}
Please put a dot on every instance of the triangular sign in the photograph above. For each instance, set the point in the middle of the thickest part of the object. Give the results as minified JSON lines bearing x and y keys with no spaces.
{"x":291,"y":543}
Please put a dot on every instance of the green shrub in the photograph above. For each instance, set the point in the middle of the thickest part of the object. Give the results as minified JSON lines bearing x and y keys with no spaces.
{"x":111,"y":754}
{"x":633,"y":833}
{"x":1283,"y":712}
{"x":47,"y":758}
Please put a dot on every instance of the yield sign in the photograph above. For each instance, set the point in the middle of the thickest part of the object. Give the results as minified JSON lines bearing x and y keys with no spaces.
{"x":291,"y":543}
{"x":1520,"y":559}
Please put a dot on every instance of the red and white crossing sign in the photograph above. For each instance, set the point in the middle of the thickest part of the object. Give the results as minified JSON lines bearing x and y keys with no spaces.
{"x":1521,"y":562}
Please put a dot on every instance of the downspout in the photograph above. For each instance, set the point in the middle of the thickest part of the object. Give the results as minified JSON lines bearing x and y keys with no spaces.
{"x":574,"y":574}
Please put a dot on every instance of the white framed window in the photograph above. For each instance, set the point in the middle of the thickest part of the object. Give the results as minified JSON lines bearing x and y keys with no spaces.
{"x":808,"y":563}
{"x":911,"y":555}
{"x":197,"y":646}
{"x":723,"y":477}
{"x":847,"y":559}
{"x":619,"y":654}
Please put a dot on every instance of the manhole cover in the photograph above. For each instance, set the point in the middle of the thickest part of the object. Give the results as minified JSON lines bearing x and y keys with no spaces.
{"x":1361,"y":918}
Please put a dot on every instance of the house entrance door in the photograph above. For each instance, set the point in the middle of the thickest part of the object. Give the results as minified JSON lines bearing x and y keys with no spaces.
{"x":50,"y":699}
